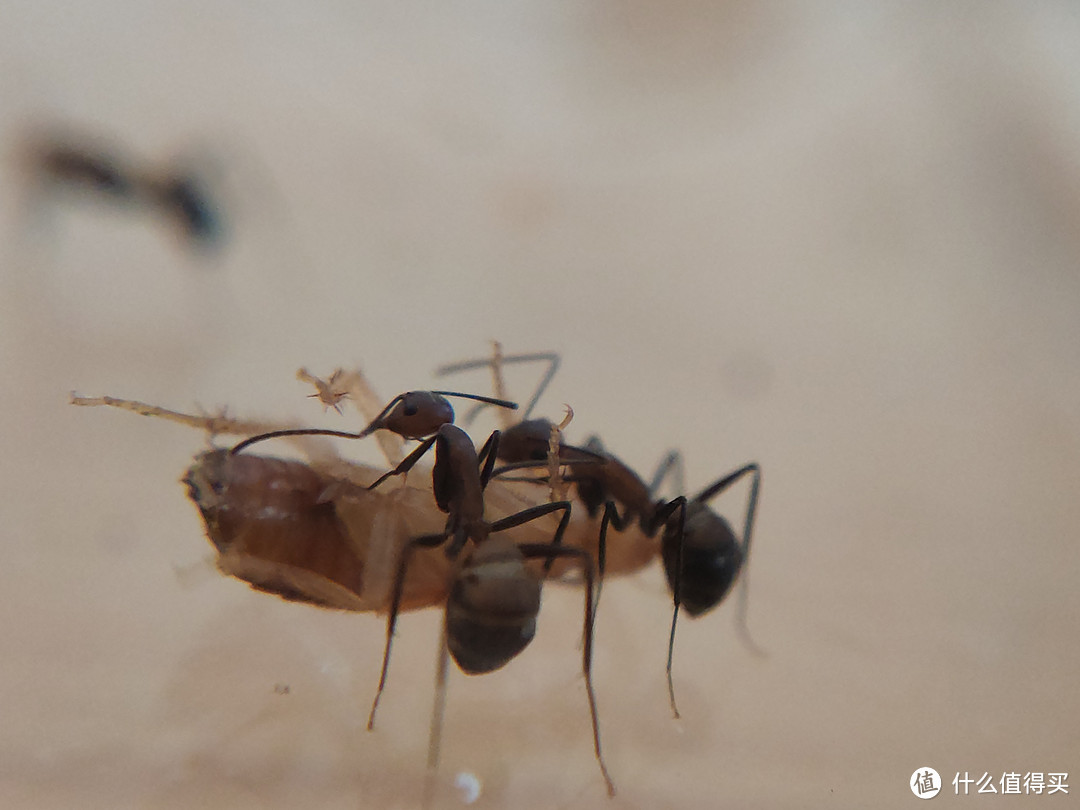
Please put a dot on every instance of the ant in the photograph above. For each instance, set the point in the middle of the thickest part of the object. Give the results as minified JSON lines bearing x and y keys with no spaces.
{"x":701,"y":554}
{"x":175,"y":193}
{"x":493,"y":597}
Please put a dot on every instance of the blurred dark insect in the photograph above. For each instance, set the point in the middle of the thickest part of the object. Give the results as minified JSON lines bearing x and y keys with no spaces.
{"x":79,"y":166}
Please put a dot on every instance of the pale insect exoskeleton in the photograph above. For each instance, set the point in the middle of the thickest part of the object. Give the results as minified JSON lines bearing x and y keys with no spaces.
{"x":309,"y":531}
{"x":625,"y":526}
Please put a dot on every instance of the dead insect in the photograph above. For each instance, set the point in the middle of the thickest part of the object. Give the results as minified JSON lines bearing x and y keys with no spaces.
{"x":701,"y":554}
{"x":306,"y":531}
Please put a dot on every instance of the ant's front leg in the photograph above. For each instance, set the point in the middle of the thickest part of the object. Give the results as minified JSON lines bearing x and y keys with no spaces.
{"x":407,"y":463}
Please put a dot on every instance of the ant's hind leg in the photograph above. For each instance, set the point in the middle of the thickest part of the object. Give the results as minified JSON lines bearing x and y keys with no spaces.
{"x":550,"y":552}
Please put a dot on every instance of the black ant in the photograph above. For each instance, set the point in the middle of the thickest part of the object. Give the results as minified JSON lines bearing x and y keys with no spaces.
{"x":701,"y":554}
{"x":177,"y":194}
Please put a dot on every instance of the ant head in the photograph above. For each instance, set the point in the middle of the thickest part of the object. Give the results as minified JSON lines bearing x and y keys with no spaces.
{"x":525,"y":441}
{"x":711,"y":558}
{"x":417,"y":415}
{"x":492,"y":608}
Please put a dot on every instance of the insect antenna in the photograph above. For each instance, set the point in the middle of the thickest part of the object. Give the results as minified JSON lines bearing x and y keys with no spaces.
{"x":495,"y":363}
{"x":428,"y":411}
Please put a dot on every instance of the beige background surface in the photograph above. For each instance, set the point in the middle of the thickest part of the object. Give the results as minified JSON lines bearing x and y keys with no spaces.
{"x":840,"y":239}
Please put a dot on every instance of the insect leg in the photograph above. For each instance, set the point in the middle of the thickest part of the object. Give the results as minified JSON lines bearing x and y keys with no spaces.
{"x":487,"y":456}
{"x":425,"y":541}
{"x":532,"y":513}
{"x":214,"y":425}
{"x":407,"y":463}
{"x":437,"y":714}
{"x":621,"y":523}
{"x":670,"y":465}
{"x":661,"y":516}
{"x":550,"y":552}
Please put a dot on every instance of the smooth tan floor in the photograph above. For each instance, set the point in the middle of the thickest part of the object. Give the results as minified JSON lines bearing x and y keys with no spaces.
{"x":839,"y":240}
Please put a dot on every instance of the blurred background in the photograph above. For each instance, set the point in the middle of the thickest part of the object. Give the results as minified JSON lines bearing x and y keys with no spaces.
{"x":839,"y":239}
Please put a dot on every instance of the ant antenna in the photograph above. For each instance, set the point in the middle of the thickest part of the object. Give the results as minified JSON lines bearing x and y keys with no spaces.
{"x":412,"y":415}
{"x":496,"y":362}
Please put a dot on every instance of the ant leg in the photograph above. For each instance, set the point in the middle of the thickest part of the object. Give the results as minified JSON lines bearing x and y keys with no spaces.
{"x":552,"y":359}
{"x":487,"y":457}
{"x":661,"y":516}
{"x":753,"y":469}
{"x":621,"y":523}
{"x":407,"y":463}
{"x":425,"y":541}
{"x":437,"y":714}
{"x":532,"y":513}
{"x":552,"y":551}
{"x":672,"y":464}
